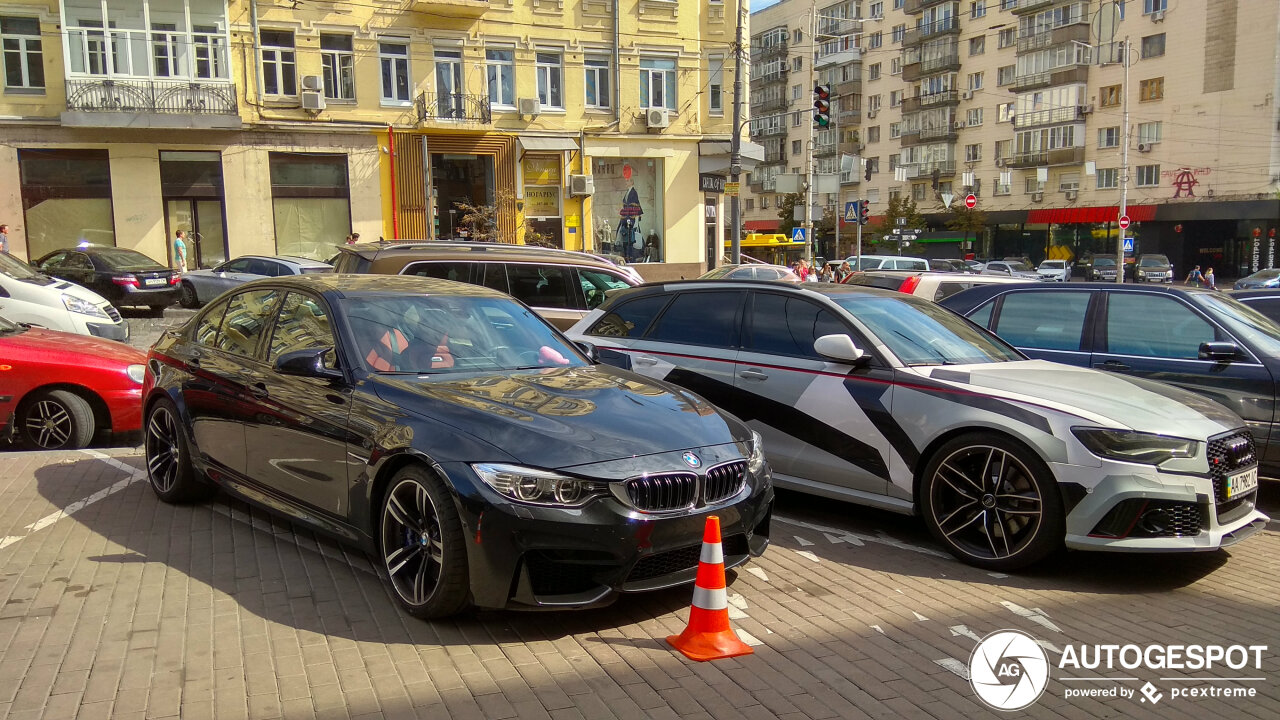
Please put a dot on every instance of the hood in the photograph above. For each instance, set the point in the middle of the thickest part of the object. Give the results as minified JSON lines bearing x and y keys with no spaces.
{"x":74,"y":350}
{"x":81,"y":292}
{"x":1108,"y":399}
{"x":563,"y":417}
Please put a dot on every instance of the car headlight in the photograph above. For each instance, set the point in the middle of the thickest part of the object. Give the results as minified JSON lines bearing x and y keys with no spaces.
{"x":137,"y":373}
{"x":755,"y":462}
{"x":539,"y":487}
{"x":82,"y":306}
{"x":1137,"y":447}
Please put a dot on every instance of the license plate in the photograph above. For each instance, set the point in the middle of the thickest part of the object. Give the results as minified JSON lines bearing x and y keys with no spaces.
{"x":1242,"y":483}
{"x":155,"y":281}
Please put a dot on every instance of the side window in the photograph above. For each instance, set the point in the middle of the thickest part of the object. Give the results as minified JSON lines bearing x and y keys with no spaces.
{"x":78,"y":261}
{"x":788,"y":326}
{"x":596,"y":283}
{"x":1267,"y":306}
{"x":53,"y":261}
{"x":261,"y":267}
{"x":456,"y":271}
{"x":1044,"y":320}
{"x":545,"y":286}
{"x":1153,"y":326}
{"x":982,"y":316}
{"x":629,"y":319}
{"x":247,"y":316}
{"x":492,"y":275}
{"x":303,"y":324}
{"x":948,"y":288}
{"x":206,"y":330}
{"x":238,"y":266}
{"x":700,"y":318}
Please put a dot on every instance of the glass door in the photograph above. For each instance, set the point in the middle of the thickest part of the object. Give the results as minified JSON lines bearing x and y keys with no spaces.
{"x":206,"y":232}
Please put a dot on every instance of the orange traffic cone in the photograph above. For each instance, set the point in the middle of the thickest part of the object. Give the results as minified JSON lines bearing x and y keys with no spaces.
{"x":708,"y":636}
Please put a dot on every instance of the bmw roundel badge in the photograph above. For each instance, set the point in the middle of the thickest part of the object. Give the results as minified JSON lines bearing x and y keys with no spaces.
{"x":692,"y":460}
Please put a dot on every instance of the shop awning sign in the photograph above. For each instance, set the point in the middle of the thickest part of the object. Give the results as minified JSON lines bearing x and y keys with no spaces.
{"x":710,"y":183}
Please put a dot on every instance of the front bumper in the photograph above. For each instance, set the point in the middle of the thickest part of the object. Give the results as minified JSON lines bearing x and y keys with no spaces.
{"x":531,"y":557}
{"x":125,"y":407}
{"x":111,"y":331}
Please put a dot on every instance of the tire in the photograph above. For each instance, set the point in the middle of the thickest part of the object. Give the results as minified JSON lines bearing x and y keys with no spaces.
{"x":170,"y":472}
{"x":187,"y":297}
{"x":422,"y":545}
{"x":1003,"y":521}
{"x":56,"y":420}
{"x":158,"y":310}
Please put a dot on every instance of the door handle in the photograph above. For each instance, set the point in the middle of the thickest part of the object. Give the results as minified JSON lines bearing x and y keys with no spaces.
{"x":1112,"y":365}
{"x":258,"y":390}
{"x":646,"y":360}
{"x":753,"y":374}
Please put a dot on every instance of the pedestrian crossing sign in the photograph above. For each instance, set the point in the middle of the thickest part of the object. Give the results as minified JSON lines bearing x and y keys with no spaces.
{"x":797,"y":234}
{"x":1128,"y":244}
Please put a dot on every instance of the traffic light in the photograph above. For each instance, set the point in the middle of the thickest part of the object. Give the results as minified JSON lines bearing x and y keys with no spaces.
{"x":864,"y":212}
{"x":821,"y":105}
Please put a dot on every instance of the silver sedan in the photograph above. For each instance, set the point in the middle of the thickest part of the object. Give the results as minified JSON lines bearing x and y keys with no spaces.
{"x":201,"y":286}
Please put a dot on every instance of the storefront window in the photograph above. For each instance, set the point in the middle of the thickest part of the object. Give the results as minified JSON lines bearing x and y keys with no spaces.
{"x":543,"y":210}
{"x":628,"y":207}
{"x":311,"y":202}
{"x":66,"y":195}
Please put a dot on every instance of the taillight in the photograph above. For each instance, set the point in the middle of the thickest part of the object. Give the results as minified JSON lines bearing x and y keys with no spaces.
{"x":175,"y":279}
{"x":909,"y":285}
{"x":125,"y":280}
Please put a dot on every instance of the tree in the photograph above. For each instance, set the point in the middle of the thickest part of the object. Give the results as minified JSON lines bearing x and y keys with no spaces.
{"x":966,"y":220}
{"x":481,"y":221}
{"x":899,"y":207}
{"x":787,"y":205}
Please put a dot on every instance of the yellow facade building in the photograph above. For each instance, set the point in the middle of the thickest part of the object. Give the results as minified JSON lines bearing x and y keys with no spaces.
{"x":278,"y":130}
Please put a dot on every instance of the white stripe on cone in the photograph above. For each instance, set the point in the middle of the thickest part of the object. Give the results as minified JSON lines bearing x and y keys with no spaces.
{"x":712,"y":553}
{"x":706,"y":599}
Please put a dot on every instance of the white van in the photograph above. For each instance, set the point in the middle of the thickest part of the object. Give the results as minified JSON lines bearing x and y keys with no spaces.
{"x":28,"y":297}
{"x":888,"y":262}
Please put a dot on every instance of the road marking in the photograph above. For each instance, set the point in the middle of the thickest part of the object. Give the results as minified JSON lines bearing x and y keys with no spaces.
{"x":834,"y":540}
{"x":878,"y":629}
{"x":807,"y":554}
{"x":758,"y":573}
{"x":135,"y":474}
{"x":919,"y":617}
{"x":954,"y":666}
{"x":998,"y":576}
{"x":748,"y":638}
{"x":1036,"y":616}
{"x":962,"y":631}
{"x":850,"y":536}
{"x":737,"y":607}
{"x":802,"y":541}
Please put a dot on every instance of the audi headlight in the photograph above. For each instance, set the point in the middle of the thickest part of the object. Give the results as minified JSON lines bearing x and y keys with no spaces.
{"x":1137,"y":447}
{"x":755,"y":462}
{"x":539,"y":487}
{"x":137,"y":373}
{"x":82,"y":306}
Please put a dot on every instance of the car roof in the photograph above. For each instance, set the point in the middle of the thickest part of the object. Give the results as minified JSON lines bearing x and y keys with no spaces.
{"x":342,"y":285}
{"x":1254,"y":293}
{"x":975,"y":296}
{"x":813,"y":290}
{"x":410,"y":250}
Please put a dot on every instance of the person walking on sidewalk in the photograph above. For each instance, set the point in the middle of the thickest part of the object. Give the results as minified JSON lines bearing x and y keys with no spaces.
{"x":180,"y":251}
{"x":4,"y":238}
{"x":1209,"y":280}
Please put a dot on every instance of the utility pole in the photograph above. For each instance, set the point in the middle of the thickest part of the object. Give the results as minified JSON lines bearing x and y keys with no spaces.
{"x":735,"y":147}
{"x":808,"y":186}
{"x":835,"y":129}
{"x":1124,"y":163}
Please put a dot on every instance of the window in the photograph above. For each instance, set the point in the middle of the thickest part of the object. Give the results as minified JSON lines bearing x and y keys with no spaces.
{"x":1109,"y":95}
{"x":796,"y":91}
{"x":394,"y":59}
{"x":945,"y":186}
{"x":788,"y":326}
{"x":500,"y":66}
{"x":279,"y":68}
{"x":206,"y":330}
{"x":875,"y":40}
{"x":23,"y":53}
{"x":1069,"y":181}
{"x":873,"y":72}
{"x":630,"y":319}
{"x":658,"y":83}
{"x":797,"y":119}
{"x":895,"y":130}
{"x":1153,"y":46}
{"x":873,"y":103}
{"x":973,"y":117}
{"x":1007,"y":37}
{"x":1005,"y":112}
{"x":1031,"y":185}
{"x":1000,"y":187}
{"x":464,"y":272}
{"x":1108,"y":178}
{"x":751,"y":203}
{"x":895,"y":98}
{"x":796,"y":147}
{"x":1043,"y":320}
{"x":897,"y":33}
{"x":917,"y":192}
{"x":797,"y":36}
{"x":310,"y":197}
{"x":79,"y":208}
{"x":1109,"y":137}
{"x":248,"y":315}
{"x":978,"y":45}
{"x":544,"y":286}
{"x":1152,"y":89}
{"x":973,"y":153}
{"x":975,"y":81}
{"x":897,"y":4}
{"x":895,"y":66}
{"x":1150,"y":6}
{"x":1004,"y":148}
{"x":764,"y":202}
{"x":1008,"y":4}
{"x":715,"y":85}
{"x":1148,"y":175}
{"x":797,"y":64}
{"x":598,"y":94}
{"x":210,"y":52}
{"x":1005,"y":75}
{"x":1171,"y":329}
{"x":876,"y":9}
{"x":978,"y":9}
{"x":1150,"y":132}
{"x":550,"y":80}
{"x":873,"y":134}
{"x":303,"y":325}
{"x":709,"y":319}
{"x":873,"y":165}
{"x":338,"y":65}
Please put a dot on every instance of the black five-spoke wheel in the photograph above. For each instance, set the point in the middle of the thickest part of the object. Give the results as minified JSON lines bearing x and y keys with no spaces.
{"x":168,"y":458}
{"x":422,"y":545}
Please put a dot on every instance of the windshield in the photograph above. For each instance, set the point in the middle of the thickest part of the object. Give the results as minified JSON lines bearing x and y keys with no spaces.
{"x":1017,"y":266}
{"x":719,"y":272}
{"x":1104,"y":262}
{"x":922,"y":333}
{"x":430,"y":334}
{"x":15,"y":268}
{"x":1053,"y":264}
{"x":1243,"y":321}
{"x":1153,"y":261}
{"x":121,"y":259}
{"x":868,"y":263}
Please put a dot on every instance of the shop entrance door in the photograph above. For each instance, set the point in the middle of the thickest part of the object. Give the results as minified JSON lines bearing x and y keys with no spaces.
{"x":202,"y":218}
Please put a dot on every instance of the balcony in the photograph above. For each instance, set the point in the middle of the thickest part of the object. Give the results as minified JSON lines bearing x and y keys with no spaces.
{"x":452,"y":8}
{"x":945,"y":168}
{"x":1026,"y":6}
{"x":1057,"y":36}
{"x":1043,"y":158}
{"x":772,"y":105}
{"x":774,"y":157}
{"x":454,"y":107}
{"x":779,"y":75}
{"x":140,"y":102}
{"x":824,"y":149}
{"x":1052,"y":116}
{"x":846,"y":88}
{"x":917,"y":70}
{"x":768,"y":52}
{"x":764,"y":186}
{"x":848,"y":117}
{"x":1062,"y":76}
{"x":920,"y":33}
{"x":840,"y":57}
{"x":919,"y":102}
{"x":913,"y":7}
{"x":770,"y":131}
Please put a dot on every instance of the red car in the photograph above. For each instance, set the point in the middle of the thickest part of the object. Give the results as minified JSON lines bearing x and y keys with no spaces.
{"x":57,"y":390}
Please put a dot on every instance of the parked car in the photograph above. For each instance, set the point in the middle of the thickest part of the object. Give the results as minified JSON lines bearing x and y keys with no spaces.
{"x":946,"y":266}
{"x":1267,"y":278}
{"x":1266,"y":302}
{"x":560,"y":285}
{"x":60,"y":389}
{"x":200,"y":286}
{"x":931,"y":286}
{"x":400,"y":413}
{"x":1153,"y":268}
{"x":751,"y":272}
{"x":975,"y":266}
{"x":124,"y":277}
{"x":1103,"y":268}
{"x":1054,"y":270}
{"x":1198,"y":340}
{"x":30,"y":297}
{"x":889,"y":400}
{"x":1011,"y":268}
{"x":888,"y":262}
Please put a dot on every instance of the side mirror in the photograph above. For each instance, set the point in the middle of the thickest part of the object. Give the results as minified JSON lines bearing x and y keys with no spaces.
{"x":307,"y":363}
{"x":839,"y":348}
{"x":1219,"y":351}
{"x":590,"y":350}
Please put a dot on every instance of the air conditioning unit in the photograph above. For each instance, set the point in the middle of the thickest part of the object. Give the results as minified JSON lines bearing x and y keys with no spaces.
{"x":313,"y":100}
{"x":959,"y":125}
{"x":657,"y":117}
{"x":871,"y":114}
{"x":1157,"y":16}
{"x":967,"y":94}
{"x":312,"y":82}
{"x":529,"y":106}
{"x":1071,"y":194}
{"x":580,"y":185}
{"x":1144,"y":147}
{"x":1037,"y":197}
{"x":1086,"y":109}
{"x":1000,"y":162}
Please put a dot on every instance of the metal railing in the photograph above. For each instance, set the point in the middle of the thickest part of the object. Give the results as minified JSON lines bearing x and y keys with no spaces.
{"x":454,"y":106}
{"x":151,"y":96}
{"x":1029,"y":5}
{"x":911,"y":7}
{"x":1061,"y":76}
{"x":945,"y":97}
{"x":763,"y":107}
{"x":768,"y":131}
{"x":1048,"y":117}
{"x":1078,"y":32}
{"x":1040,"y":158}
{"x":925,"y":169}
{"x":917,"y":70}
{"x":928,"y":30}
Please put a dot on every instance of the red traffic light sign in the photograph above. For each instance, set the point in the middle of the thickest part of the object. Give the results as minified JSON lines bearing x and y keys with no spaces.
{"x":971,"y":201}
{"x":1124,"y":222}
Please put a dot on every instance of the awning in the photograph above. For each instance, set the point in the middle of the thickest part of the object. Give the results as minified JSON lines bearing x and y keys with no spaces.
{"x":1064,"y":216}
{"x":758,"y":225}
{"x":713,"y":156}
{"x":535,"y":143}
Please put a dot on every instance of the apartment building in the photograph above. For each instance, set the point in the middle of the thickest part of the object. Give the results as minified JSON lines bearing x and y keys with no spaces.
{"x":279,"y":128}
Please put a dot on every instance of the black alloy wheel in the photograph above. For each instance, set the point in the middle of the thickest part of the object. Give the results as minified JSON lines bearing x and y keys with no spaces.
{"x":422,"y":548}
{"x":187,"y":297}
{"x":169,"y":457}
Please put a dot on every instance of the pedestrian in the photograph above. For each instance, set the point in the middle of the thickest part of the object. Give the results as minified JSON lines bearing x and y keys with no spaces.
{"x":1209,"y":280}
{"x":845,"y":272}
{"x":826,"y":275}
{"x":180,"y":251}
{"x":4,"y":238}
{"x":349,"y":240}
{"x":355,"y":238}
{"x":1195,"y":277}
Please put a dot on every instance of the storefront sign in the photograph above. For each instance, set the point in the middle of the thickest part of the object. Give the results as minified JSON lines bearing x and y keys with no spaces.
{"x":709,"y":183}
{"x":542,"y":170}
{"x":731,"y":188}
{"x":573,"y":221}
{"x":541,"y":201}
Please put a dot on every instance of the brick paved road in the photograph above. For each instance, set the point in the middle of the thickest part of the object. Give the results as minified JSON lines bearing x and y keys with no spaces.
{"x":115,"y":605}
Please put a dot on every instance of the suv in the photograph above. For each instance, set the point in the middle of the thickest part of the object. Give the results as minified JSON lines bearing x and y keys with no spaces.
{"x":1199,"y":340}
{"x":1153,"y":268}
{"x":887,"y":262}
{"x":560,"y":285}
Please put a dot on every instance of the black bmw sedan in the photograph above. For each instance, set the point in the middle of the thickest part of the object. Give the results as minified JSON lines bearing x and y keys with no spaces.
{"x":447,"y":429}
